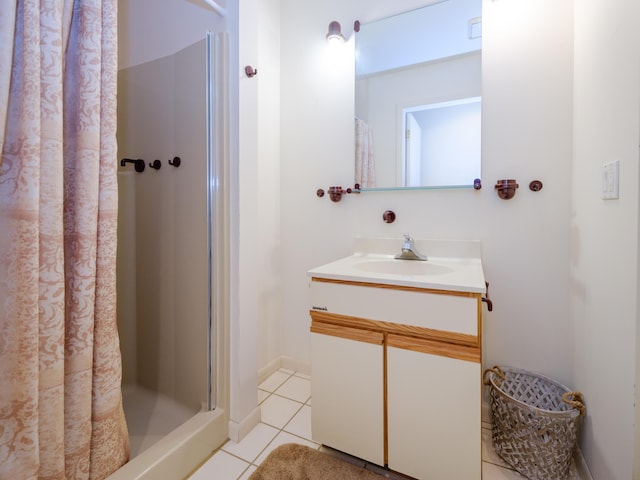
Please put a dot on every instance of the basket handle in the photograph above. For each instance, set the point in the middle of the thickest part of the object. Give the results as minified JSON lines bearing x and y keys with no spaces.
{"x":497,"y":370}
{"x":576,"y":400}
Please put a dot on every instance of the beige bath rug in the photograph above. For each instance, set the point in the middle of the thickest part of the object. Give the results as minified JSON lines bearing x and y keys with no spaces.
{"x":293,"y":461}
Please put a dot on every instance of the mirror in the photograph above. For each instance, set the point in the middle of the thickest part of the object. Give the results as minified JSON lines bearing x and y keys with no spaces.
{"x":417,"y":98}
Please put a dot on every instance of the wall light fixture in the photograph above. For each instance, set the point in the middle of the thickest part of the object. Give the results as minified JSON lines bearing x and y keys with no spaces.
{"x":334,"y":36}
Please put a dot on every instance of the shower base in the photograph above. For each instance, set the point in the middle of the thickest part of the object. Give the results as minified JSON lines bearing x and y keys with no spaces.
{"x":151,"y":416}
{"x":167,"y":439}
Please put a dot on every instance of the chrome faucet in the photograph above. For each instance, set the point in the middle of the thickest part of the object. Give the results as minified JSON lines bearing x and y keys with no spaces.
{"x":409,"y":251}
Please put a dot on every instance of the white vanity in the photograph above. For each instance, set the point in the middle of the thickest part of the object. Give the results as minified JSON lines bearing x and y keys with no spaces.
{"x":396,"y":357}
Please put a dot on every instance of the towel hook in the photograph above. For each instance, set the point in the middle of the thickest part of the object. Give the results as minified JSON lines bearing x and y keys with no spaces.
{"x":175,"y":162}
{"x":156,"y":164}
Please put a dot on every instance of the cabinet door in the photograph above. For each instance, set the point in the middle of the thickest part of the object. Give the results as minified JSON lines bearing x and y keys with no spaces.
{"x":347,"y":391}
{"x":434,"y":408}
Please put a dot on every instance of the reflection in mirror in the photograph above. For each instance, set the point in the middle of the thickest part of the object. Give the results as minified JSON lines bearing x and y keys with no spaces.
{"x":418,"y":80}
{"x":432,"y":154}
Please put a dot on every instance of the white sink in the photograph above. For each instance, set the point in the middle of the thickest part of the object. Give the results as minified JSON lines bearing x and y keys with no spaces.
{"x":441,"y":273}
{"x":402,"y":267}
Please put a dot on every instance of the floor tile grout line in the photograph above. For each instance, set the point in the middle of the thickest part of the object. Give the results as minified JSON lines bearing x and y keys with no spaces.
{"x":245,"y":468}
{"x":289,"y":375}
{"x":280,"y":430}
{"x":289,"y":398}
{"x":292,"y":417}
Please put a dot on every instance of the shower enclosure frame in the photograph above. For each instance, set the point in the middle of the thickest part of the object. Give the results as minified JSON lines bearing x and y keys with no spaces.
{"x":180,"y":452}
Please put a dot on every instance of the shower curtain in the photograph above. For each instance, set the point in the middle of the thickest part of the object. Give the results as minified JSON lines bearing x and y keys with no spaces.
{"x":365,"y":164}
{"x":61,"y":411}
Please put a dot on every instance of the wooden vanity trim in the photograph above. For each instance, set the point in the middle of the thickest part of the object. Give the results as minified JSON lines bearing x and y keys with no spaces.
{"x":341,"y":331}
{"x":479,"y":321}
{"x":394,"y":328}
{"x":421,"y":345}
{"x":398,"y":287}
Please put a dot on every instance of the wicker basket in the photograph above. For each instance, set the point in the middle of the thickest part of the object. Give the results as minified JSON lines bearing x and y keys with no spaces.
{"x":535,"y":422}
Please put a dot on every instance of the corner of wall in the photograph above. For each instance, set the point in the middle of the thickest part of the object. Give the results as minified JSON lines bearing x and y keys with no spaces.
{"x":239,"y":430}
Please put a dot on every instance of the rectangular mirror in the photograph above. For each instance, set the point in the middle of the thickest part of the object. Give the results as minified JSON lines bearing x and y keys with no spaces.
{"x":417,"y":102}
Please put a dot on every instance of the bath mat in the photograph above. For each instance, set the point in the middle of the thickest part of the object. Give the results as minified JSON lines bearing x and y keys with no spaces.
{"x":293,"y":461}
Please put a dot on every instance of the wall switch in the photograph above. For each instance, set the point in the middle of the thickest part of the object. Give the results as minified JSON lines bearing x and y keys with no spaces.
{"x":610,"y":180}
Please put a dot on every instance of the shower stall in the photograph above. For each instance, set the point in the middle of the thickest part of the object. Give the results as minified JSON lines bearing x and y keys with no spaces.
{"x":172,"y":260}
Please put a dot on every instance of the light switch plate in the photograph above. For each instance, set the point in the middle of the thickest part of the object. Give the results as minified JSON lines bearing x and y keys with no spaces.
{"x":611,"y":180}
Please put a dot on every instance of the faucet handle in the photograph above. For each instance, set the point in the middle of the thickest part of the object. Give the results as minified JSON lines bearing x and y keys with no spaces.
{"x":407,"y":238}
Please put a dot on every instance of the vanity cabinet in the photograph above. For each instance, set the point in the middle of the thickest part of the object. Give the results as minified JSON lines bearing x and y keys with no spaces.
{"x":396,"y":376}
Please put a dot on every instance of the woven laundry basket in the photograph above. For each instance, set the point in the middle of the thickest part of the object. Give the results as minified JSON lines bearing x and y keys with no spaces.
{"x":535,"y":422}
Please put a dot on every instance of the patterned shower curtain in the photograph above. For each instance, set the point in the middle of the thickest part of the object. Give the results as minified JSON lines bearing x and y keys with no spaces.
{"x":61,"y":413}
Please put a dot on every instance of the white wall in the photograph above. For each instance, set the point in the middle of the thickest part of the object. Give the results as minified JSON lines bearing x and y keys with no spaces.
{"x":268,"y":208}
{"x":256,"y":249}
{"x":148,"y":29}
{"x":604,"y":239}
{"x":527,"y":113}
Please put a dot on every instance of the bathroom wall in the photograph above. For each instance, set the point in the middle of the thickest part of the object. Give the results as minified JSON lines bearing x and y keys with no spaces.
{"x":604,"y":239}
{"x":269,"y":187}
{"x":553,"y":311}
{"x":148,"y":30}
{"x":562,"y":263}
{"x":527,"y":128}
{"x":256,"y":317}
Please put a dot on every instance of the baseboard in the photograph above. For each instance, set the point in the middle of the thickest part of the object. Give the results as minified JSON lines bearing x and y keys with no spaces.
{"x":270,"y":368}
{"x":485,"y":414}
{"x":581,"y":465}
{"x":285,"y":362}
{"x":239,"y":430}
{"x":291,"y":363}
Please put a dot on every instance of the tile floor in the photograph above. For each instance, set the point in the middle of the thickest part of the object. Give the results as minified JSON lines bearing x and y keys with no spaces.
{"x":285,"y":399}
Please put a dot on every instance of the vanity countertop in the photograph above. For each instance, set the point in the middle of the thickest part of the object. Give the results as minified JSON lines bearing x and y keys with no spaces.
{"x":461,"y":274}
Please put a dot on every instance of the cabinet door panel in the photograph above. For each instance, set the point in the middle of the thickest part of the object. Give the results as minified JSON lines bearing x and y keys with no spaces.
{"x":347,"y":396}
{"x":434,"y":408}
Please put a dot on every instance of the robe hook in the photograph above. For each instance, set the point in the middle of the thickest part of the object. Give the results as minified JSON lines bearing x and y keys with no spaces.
{"x":138,"y":164}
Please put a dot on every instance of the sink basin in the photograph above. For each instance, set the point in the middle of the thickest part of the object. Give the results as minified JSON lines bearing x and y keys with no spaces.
{"x":462,"y":274}
{"x":402,"y":267}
